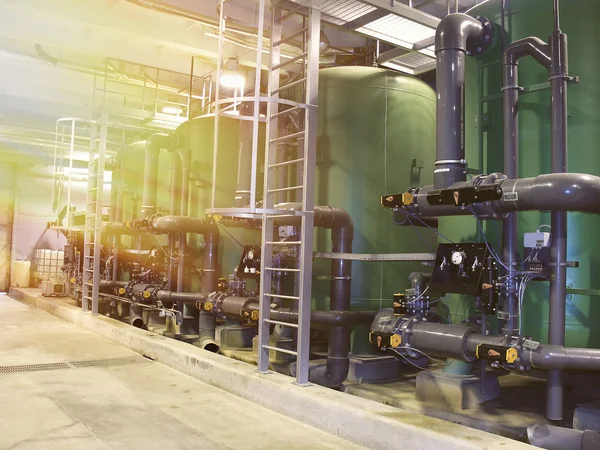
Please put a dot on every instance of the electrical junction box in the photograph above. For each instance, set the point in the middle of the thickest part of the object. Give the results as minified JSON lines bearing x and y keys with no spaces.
{"x":536,"y":240}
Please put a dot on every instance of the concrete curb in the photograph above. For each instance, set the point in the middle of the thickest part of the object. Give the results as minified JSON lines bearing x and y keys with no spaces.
{"x":358,"y":420}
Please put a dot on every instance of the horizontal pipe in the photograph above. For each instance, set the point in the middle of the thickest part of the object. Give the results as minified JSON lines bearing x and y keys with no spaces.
{"x":552,"y":357}
{"x":558,"y":438}
{"x":336,"y":219}
{"x":577,"y":192}
{"x":181,"y":224}
{"x":327,"y":318}
{"x":107,"y":285}
{"x":185,"y":297}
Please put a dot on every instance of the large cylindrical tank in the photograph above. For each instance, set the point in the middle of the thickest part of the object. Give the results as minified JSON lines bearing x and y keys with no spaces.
{"x":198,"y":135}
{"x":376,"y":134}
{"x":484,"y":143}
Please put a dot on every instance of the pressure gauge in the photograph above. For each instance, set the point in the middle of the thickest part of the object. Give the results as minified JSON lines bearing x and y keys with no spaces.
{"x":458,"y":258}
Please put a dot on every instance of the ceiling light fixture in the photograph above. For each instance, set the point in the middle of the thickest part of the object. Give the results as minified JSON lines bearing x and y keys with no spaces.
{"x":232,"y":76}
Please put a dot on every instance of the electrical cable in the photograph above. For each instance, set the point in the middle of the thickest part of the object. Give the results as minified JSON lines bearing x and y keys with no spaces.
{"x":419,"y":297}
{"x":414,"y":216}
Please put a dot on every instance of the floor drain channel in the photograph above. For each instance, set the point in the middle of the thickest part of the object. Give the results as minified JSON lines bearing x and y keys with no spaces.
{"x":108,"y":362}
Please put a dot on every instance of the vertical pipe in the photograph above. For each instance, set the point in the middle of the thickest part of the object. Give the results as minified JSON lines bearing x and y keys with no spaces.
{"x":558,"y":257}
{"x":244,"y":175}
{"x":255,"y":122}
{"x":71,"y":173}
{"x":510,"y":115}
{"x":185,"y":156}
{"x":189,"y":109}
{"x":181,"y":264}
{"x":174,"y":202}
{"x":217,"y":106}
{"x":450,"y":78}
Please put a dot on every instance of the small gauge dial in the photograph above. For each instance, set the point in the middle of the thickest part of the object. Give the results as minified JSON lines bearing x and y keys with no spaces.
{"x":458,"y":258}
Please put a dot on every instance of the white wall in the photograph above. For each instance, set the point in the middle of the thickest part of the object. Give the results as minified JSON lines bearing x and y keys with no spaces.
{"x":33,"y":211}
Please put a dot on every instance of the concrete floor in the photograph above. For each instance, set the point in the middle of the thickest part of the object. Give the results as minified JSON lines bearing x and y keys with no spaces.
{"x":118,"y":399}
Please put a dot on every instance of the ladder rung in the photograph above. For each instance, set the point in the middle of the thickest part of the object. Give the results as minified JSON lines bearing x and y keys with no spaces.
{"x":289,"y":61}
{"x":288,"y":37}
{"x":88,"y":270}
{"x":287,"y":137}
{"x":89,"y":284}
{"x":285,"y":324}
{"x":285,"y":242}
{"x":286,"y":163}
{"x":88,"y":298}
{"x":279,"y":269}
{"x":281,"y":350}
{"x":286,"y":189}
{"x":286,"y":112}
{"x":286,"y":297}
{"x":289,"y":14}
{"x":289,"y":86}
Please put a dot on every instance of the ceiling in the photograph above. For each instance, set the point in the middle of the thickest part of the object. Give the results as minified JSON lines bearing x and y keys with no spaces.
{"x":59,"y":54}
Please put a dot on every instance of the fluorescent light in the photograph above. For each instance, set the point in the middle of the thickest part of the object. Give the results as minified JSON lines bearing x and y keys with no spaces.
{"x":172,"y":110}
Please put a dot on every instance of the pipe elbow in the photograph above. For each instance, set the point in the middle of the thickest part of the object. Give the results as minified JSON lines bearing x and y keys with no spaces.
{"x":463,"y":32}
{"x":332,"y":374}
{"x":341,"y":223}
{"x":159,"y":140}
{"x":530,"y":46}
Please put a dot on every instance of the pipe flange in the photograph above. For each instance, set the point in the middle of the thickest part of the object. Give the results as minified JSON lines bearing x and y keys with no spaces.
{"x":479,"y":46}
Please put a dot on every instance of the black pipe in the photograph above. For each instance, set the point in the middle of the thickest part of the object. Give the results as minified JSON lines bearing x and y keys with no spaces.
{"x":135,"y":317}
{"x":510,"y":101}
{"x":186,"y":160}
{"x":575,"y":192}
{"x":206,"y":328}
{"x":174,"y":203}
{"x":558,"y":438}
{"x":152,"y":151}
{"x":342,"y":234}
{"x":456,"y":36}
{"x":186,"y":297}
{"x":244,"y":175}
{"x":108,"y":285}
{"x":461,"y":341}
{"x":558,"y":255}
{"x":557,"y":357}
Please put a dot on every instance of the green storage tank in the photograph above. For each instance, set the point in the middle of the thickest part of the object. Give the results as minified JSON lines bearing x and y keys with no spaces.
{"x":376,"y":135}
{"x":198,"y":136}
{"x":483,"y":122}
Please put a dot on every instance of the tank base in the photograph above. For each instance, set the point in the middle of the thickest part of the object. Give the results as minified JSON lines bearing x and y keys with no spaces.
{"x":234,"y":337}
{"x":373,"y":369}
{"x":587,"y":416}
{"x":456,"y":391}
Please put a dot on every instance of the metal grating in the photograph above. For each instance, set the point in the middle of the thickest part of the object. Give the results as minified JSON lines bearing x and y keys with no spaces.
{"x":414,"y":60}
{"x":340,"y":12}
{"x":397,"y":30}
{"x":34,"y":367}
{"x":108,"y":362}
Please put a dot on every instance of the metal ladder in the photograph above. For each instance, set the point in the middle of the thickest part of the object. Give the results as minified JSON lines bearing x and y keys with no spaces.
{"x":93,"y":215}
{"x":306,"y":138}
